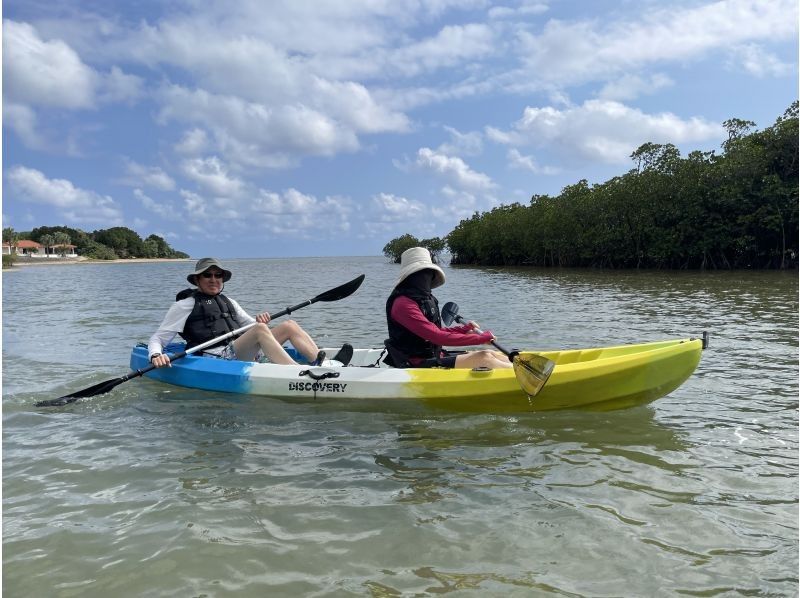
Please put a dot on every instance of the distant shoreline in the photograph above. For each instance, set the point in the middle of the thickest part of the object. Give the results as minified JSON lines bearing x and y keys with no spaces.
{"x":69,"y":262}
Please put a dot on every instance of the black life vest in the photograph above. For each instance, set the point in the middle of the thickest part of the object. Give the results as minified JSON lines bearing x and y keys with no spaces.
{"x":212,"y":316}
{"x":403,"y":339}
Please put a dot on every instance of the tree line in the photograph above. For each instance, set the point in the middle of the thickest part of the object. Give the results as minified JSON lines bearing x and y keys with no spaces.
{"x":395,"y":248}
{"x":118,"y":242}
{"x":736,"y":209}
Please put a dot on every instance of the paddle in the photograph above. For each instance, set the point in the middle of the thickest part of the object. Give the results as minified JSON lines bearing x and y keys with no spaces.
{"x":532,"y":371}
{"x":339,"y":292}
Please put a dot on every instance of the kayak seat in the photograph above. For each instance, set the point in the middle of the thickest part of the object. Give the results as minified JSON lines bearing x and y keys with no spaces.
{"x":395,"y":357}
{"x":344,"y":355}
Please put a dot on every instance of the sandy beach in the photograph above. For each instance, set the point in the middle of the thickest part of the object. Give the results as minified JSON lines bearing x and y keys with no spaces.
{"x":83,"y":260}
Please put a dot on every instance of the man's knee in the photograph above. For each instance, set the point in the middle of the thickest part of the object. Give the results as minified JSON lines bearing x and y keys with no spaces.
{"x":262,"y":329}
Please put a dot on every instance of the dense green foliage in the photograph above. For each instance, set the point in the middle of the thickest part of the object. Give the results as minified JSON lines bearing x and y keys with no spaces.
{"x":734,"y":210}
{"x":395,"y":248}
{"x":10,"y":235}
{"x":105,"y":244}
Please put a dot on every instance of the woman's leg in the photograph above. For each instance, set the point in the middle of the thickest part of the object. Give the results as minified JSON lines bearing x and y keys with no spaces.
{"x":300,"y":339}
{"x":260,"y":337}
{"x":485,"y":359}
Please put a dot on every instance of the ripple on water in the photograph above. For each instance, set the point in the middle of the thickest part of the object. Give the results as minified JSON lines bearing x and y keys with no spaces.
{"x":156,"y":490}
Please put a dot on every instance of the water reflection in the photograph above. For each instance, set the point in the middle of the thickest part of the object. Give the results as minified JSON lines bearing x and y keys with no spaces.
{"x":436,"y":456}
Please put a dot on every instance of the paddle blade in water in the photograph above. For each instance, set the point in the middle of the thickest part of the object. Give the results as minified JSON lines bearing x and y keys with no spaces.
{"x":97,"y":389}
{"x":532,"y":372}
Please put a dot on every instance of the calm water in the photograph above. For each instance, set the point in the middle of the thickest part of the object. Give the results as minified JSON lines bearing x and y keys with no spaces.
{"x":160,"y":491}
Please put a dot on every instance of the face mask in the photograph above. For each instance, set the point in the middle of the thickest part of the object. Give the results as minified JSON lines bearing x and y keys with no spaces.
{"x":421,"y":280}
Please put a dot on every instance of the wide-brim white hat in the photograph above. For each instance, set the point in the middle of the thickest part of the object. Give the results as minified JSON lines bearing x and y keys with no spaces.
{"x":416,"y":259}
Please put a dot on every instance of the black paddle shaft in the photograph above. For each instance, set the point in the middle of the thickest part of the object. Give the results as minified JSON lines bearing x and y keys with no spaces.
{"x":450,"y":313}
{"x":510,"y":354}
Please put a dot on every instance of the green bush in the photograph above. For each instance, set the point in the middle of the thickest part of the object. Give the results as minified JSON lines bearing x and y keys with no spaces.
{"x":98,"y":251}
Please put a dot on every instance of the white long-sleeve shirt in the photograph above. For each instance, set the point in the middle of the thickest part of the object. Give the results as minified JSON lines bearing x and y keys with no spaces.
{"x":175,"y":320}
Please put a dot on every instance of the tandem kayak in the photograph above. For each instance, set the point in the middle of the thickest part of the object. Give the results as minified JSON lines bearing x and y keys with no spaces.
{"x":602,"y":378}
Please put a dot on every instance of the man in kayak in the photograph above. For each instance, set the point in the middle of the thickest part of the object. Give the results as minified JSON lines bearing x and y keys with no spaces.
{"x":207,"y":314}
{"x":416,"y":336}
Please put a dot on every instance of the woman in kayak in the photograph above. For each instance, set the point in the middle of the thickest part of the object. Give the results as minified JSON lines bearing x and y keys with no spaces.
{"x":416,"y":336}
{"x":207,"y":314}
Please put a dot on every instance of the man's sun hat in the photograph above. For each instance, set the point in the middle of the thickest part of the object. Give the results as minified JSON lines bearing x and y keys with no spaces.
{"x":416,"y":259}
{"x":204,"y":264}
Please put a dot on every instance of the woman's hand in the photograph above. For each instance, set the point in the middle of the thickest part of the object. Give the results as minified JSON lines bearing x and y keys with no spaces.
{"x":161,"y":361}
{"x":263,"y":318}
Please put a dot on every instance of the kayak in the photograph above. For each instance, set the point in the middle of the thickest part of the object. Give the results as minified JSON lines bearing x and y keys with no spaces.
{"x":596,"y":378}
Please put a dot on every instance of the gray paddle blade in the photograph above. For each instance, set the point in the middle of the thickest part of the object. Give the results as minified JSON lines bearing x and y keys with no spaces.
{"x":532,"y":372}
{"x":449,"y":313}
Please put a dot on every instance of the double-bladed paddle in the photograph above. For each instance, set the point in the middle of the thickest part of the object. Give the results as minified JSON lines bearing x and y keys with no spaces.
{"x":339,"y":292}
{"x":532,"y":371}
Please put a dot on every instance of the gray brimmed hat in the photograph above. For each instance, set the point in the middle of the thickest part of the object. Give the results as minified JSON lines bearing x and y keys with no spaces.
{"x":416,"y":259}
{"x":204,"y":264}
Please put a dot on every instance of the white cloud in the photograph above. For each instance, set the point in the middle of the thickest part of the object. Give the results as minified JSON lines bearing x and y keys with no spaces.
{"x":167,"y":235}
{"x":760,"y":63}
{"x":629,"y":87}
{"x":22,"y":120}
{"x":150,"y":176}
{"x":44,"y":73}
{"x":458,"y":204}
{"x":41,"y":75}
{"x":151,"y":205}
{"x":387,"y":215}
{"x":75,"y":204}
{"x":450,"y":168}
{"x":291,"y":202}
{"x":393,"y":208}
{"x":452,"y":45}
{"x":462,"y":144}
{"x":195,"y":207}
{"x":290,"y":214}
{"x":517,"y":161}
{"x":254,"y":134}
{"x":576,"y":52}
{"x":296,"y":215}
{"x":194,"y":141}
{"x":600,"y":130}
{"x":354,"y":106}
{"x":118,"y":86}
{"x":213,"y":175}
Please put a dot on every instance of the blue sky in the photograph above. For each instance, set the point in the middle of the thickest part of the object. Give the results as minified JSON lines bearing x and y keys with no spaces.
{"x":305,"y":128}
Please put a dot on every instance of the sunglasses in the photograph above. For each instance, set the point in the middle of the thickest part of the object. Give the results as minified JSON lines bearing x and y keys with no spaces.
{"x":219,"y":275}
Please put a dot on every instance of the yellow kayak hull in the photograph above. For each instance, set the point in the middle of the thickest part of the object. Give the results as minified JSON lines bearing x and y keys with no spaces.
{"x":601,"y":378}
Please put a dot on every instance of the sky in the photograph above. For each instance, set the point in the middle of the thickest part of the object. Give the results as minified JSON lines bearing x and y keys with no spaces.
{"x":307,"y":128}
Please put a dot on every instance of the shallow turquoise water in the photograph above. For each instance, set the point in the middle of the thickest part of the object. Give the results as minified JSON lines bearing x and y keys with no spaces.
{"x":155,"y":490}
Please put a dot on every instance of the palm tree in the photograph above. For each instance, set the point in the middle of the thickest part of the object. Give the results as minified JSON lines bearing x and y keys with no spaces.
{"x":48,"y":241}
{"x":61,"y":239}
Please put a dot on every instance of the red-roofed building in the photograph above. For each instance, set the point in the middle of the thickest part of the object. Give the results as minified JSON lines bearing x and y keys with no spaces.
{"x":26,"y":247}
